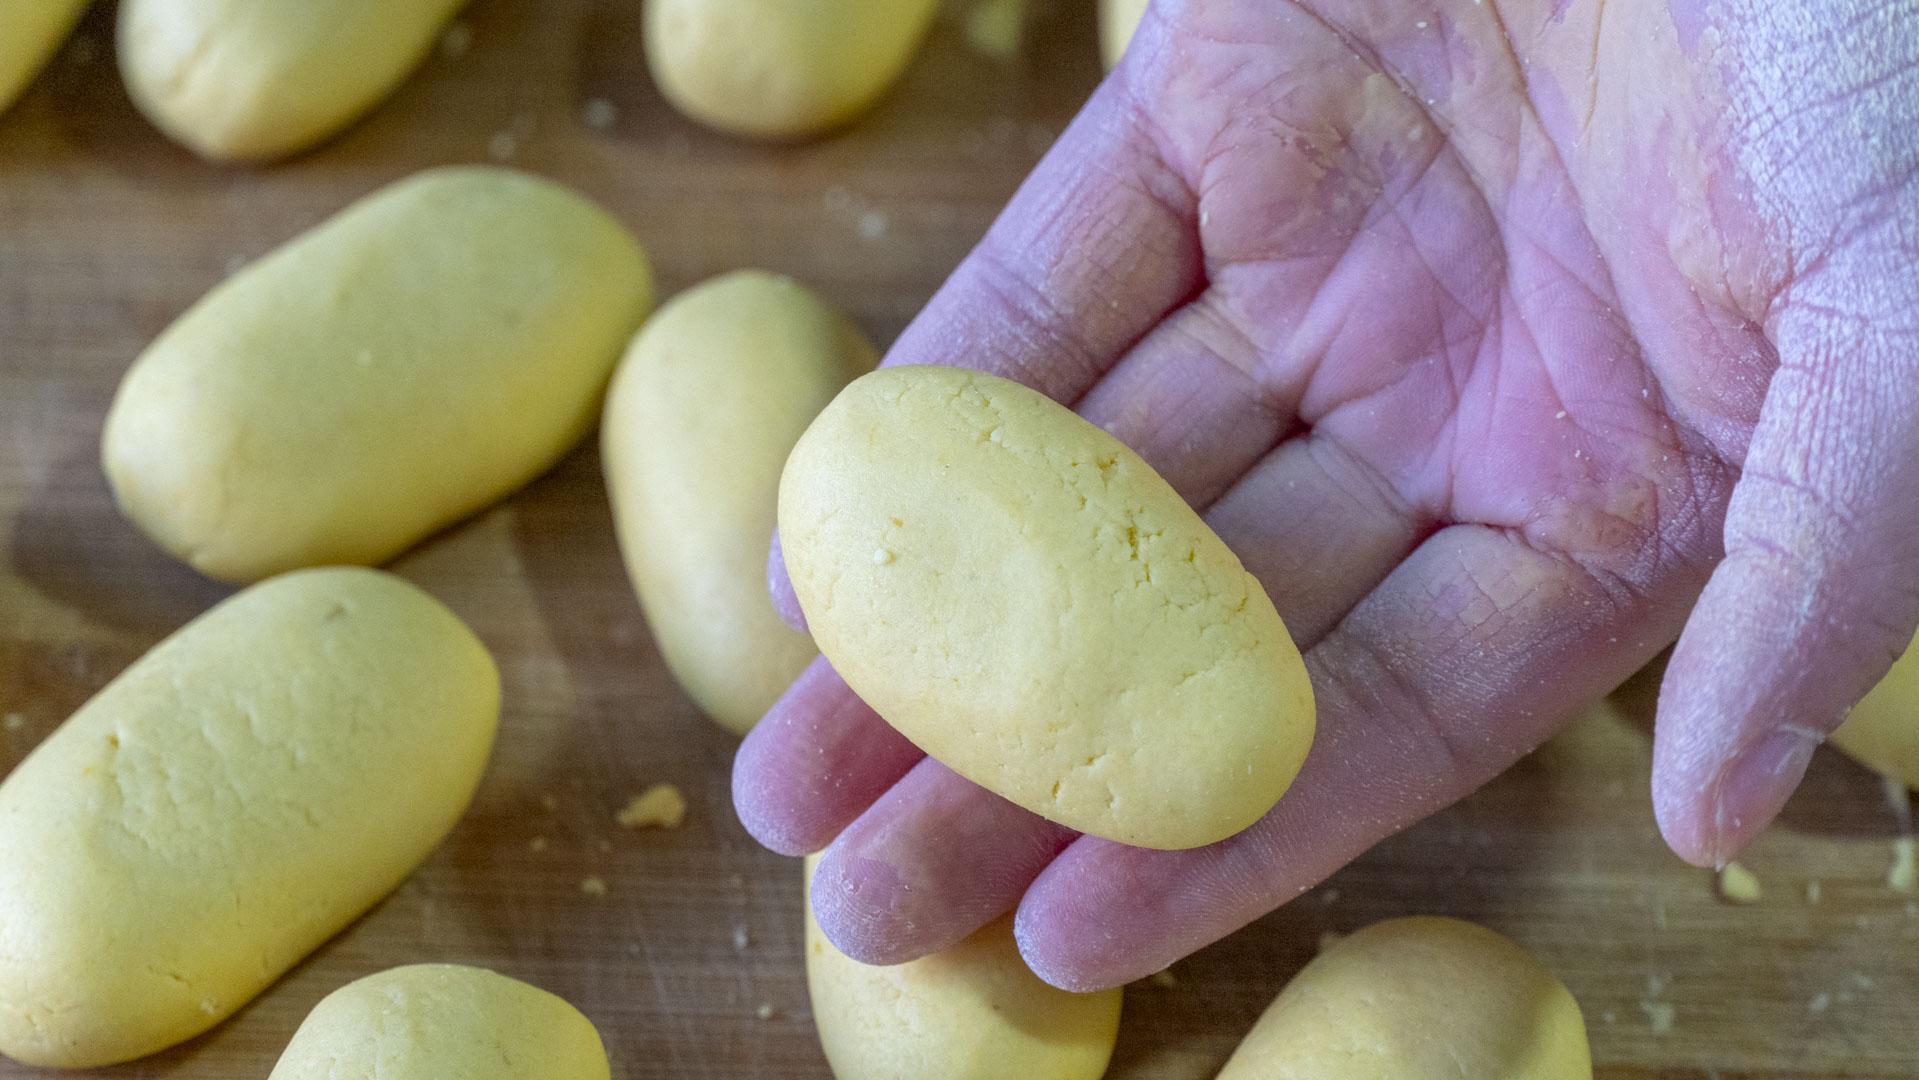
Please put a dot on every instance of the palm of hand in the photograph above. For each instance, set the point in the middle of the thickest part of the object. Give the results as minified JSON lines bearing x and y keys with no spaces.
{"x":1458,"y":341}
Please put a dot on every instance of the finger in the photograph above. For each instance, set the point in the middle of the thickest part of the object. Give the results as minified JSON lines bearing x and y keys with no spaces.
{"x":1818,"y":592}
{"x":1095,"y":248}
{"x":786,"y":603}
{"x":817,"y":759}
{"x":883,"y":901}
{"x":1472,"y":651}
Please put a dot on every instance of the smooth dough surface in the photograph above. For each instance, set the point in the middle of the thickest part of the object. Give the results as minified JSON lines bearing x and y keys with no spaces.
{"x":710,"y":399}
{"x":779,"y":68}
{"x":229,"y":802}
{"x":30,"y":32}
{"x":261,"y":79}
{"x":1883,"y":730}
{"x":1024,"y":598}
{"x":1118,"y":19}
{"x":410,"y":361}
{"x":1419,"y":999}
{"x":971,"y":1012}
{"x":442,"y":1022}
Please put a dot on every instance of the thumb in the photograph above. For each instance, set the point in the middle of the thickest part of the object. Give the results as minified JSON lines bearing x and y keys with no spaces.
{"x":1819,"y":589}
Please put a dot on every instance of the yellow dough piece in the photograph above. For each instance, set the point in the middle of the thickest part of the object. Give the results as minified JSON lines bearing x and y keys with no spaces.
{"x":710,"y":399}
{"x":232,"y":800}
{"x":1118,"y":19}
{"x":248,"y":80}
{"x":1883,"y":730}
{"x":972,"y":1012}
{"x":439,"y":1022}
{"x":780,"y":68}
{"x":1419,"y":999}
{"x":414,"y":359}
{"x":1024,"y":598}
{"x":30,"y":31}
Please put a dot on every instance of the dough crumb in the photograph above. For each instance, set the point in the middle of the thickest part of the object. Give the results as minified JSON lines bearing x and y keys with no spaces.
{"x":456,"y":41}
{"x":1737,"y":885}
{"x":1165,"y":980}
{"x":599,"y":114}
{"x":1820,"y":1003}
{"x":15,"y":721}
{"x":1329,"y":938}
{"x":1329,"y":897}
{"x":658,"y":807}
{"x":503,"y":146}
{"x":1814,"y":891}
{"x":536,"y":844}
{"x":993,"y":27}
{"x":1660,"y":1015}
{"x":593,"y":886}
{"x":873,"y":225}
{"x":549,"y":803}
{"x":766,"y":1011}
{"x":1903,"y":875}
{"x":741,"y":938}
{"x":1609,"y":1017}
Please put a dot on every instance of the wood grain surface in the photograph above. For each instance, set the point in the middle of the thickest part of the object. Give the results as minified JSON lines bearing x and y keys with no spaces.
{"x":107,"y":232}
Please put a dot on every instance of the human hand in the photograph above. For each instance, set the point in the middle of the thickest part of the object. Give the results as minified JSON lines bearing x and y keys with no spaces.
{"x":1489,"y":334}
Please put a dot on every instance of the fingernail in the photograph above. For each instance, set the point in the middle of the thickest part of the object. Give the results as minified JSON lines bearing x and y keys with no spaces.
{"x":1756,"y":784}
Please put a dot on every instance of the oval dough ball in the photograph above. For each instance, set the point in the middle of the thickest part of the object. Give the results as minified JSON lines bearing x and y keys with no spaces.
{"x":972,"y":1012}
{"x":257,"y":79}
{"x":414,"y":359}
{"x":1883,"y":730}
{"x":440,"y":1021}
{"x":710,"y":399}
{"x":1118,"y":19}
{"x":1419,"y":999}
{"x":232,"y":800}
{"x":1025,"y":599}
{"x":780,"y":69}
{"x":30,"y":32}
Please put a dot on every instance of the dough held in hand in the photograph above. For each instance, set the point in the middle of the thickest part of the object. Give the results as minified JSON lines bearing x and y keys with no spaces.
{"x":1030,"y":603}
{"x":443,"y":1022}
{"x":1118,"y":19}
{"x":704,"y":409}
{"x":416,"y":358}
{"x":1883,"y":730}
{"x":260,"y":79}
{"x":30,"y":31}
{"x":780,"y":68}
{"x":971,"y":1012}
{"x":232,"y":800}
{"x":1419,"y":999}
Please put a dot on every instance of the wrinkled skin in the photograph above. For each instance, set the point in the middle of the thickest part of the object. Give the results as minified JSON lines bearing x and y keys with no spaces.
{"x":1489,"y":334}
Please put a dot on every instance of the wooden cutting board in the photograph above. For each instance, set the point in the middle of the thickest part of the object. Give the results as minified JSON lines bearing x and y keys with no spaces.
{"x":107,"y":232}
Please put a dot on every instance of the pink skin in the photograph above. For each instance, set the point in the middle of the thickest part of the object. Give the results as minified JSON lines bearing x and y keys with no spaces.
{"x":1504,"y":341}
